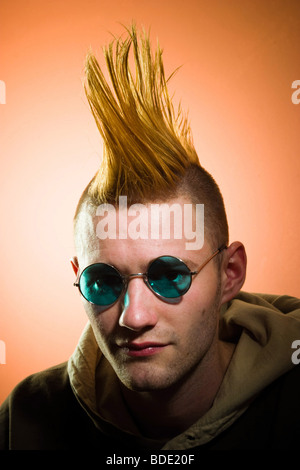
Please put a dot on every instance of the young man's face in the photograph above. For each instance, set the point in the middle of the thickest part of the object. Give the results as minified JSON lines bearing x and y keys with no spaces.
{"x":153,"y":343}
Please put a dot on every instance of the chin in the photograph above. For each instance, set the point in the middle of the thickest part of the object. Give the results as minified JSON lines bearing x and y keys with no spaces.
{"x":146,"y":384}
{"x":145,"y":388}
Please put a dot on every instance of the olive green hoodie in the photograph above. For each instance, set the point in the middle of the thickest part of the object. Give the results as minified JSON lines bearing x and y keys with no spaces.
{"x":254,"y":391}
{"x":264,"y":338}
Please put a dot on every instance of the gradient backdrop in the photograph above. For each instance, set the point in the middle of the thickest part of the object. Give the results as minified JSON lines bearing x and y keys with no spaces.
{"x":239,"y":60}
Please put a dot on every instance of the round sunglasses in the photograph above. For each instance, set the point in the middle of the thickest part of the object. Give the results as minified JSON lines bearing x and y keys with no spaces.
{"x":167,"y":276}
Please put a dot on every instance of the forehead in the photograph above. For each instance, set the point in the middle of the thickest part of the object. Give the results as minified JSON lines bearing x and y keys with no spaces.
{"x":176,"y":225}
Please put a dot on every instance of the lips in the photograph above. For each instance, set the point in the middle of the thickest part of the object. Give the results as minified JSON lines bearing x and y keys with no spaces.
{"x":142,"y":349}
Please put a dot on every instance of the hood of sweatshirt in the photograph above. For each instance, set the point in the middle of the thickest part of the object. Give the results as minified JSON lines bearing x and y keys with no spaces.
{"x":262,"y":326}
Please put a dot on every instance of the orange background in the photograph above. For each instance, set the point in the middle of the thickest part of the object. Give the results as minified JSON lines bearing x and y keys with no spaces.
{"x":239,"y":60}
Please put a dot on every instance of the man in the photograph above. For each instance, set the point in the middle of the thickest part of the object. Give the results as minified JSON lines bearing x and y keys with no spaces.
{"x":175,"y":356}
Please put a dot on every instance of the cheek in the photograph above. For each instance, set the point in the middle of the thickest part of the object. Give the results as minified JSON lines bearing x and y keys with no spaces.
{"x":206,"y":291}
{"x":199,"y":323}
{"x":103,"y":321}
{"x":200,"y":313}
{"x":196,"y":335}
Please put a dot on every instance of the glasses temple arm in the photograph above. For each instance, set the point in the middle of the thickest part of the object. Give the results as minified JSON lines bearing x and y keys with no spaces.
{"x":222,"y":247}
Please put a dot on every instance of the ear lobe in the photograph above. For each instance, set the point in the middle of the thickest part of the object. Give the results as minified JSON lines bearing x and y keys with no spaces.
{"x":75,"y":264}
{"x":233,"y":271}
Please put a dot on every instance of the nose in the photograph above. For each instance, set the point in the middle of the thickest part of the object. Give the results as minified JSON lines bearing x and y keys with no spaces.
{"x":138,"y":306}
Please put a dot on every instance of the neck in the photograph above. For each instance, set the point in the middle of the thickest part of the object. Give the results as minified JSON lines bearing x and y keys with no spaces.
{"x":163,"y":414}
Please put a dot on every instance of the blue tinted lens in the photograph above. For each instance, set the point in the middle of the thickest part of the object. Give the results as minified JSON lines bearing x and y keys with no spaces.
{"x":169,"y":277}
{"x":100,"y":284}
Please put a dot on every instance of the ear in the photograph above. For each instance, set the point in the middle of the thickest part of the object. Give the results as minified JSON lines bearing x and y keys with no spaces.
{"x":233,"y":271}
{"x":75,"y":264}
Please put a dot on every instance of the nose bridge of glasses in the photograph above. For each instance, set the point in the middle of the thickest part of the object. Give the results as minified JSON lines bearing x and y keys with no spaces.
{"x":131,"y":276}
{"x":128,"y":277}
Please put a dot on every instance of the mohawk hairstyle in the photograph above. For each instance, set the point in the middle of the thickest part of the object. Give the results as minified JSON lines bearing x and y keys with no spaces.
{"x":147,"y":145}
{"x":148,"y":151}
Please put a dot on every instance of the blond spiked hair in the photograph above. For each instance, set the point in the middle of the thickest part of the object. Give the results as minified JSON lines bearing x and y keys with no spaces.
{"x":148,"y":150}
{"x":147,"y":145}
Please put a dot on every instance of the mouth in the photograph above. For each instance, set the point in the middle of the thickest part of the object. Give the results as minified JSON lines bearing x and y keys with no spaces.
{"x":142,"y":349}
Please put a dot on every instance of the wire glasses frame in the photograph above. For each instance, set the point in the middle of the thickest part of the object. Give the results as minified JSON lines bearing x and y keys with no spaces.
{"x":160,"y":290}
